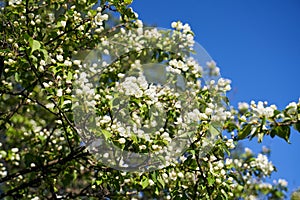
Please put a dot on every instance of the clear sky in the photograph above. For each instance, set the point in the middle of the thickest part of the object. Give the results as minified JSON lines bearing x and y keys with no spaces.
{"x":256,"y":44}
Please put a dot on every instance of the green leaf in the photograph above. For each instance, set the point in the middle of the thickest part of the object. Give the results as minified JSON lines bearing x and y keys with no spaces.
{"x":69,"y":76}
{"x":145,"y":182}
{"x":161,"y":181}
{"x":244,"y":132}
{"x":106,"y":134}
{"x":282,"y":132}
{"x":17,"y":77}
{"x":276,"y":112}
{"x":272,"y":133}
{"x":210,"y":180}
{"x":34,"y":45}
{"x":93,"y":12}
{"x":156,"y":191}
{"x":230,"y":126}
{"x":154,"y":176}
{"x":127,"y":2}
{"x":45,"y":53}
{"x":297,"y":126}
{"x":98,"y":182}
{"x":42,"y":138}
{"x":134,"y":138}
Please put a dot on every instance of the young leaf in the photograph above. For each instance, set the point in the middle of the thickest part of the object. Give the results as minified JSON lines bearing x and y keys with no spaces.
{"x":244,"y":132}
{"x":161,"y":181}
{"x":145,"y":182}
{"x":106,"y":134}
{"x":34,"y":45}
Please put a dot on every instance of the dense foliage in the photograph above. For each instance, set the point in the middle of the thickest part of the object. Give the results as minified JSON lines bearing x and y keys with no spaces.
{"x":50,"y":83}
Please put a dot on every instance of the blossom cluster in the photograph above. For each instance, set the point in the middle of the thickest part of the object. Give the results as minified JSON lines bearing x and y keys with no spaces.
{"x":259,"y":119}
{"x":97,"y":107}
{"x":260,"y":166}
{"x":146,"y":111}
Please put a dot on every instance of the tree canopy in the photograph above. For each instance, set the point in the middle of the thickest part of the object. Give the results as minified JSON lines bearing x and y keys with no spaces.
{"x":94,"y":104}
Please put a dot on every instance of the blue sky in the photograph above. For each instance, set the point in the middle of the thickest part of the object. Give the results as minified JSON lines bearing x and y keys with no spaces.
{"x":256,"y":44}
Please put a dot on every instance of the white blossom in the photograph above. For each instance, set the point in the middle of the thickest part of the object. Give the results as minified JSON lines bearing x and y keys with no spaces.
{"x":99,"y":18}
{"x":291,"y":108}
{"x":263,"y":163}
{"x":283,"y":182}
{"x":151,"y":182}
{"x":60,"y":58}
{"x":59,"y":92}
{"x":243,"y":106}
{"x":122,"y":140}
